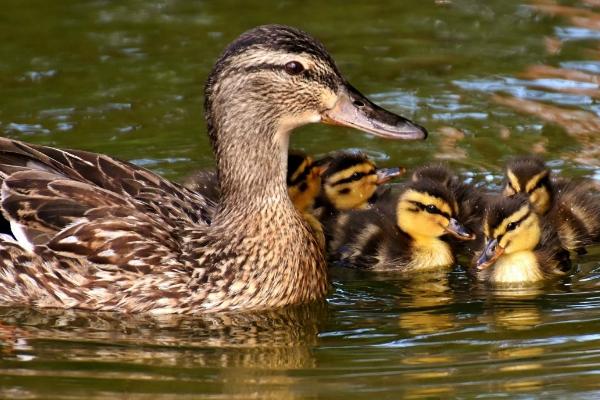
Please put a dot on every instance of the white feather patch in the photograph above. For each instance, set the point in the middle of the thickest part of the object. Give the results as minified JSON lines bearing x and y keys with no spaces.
{"x":19,"y":234}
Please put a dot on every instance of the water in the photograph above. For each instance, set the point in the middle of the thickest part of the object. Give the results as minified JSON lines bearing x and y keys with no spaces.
{"x":489,"y":79}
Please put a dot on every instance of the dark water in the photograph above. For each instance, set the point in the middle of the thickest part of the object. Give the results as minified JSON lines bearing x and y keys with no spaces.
{"x":489,"y":79}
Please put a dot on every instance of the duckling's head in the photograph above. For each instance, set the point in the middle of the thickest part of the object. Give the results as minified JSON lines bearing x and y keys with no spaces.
{"x":274,"y":78}
{"x":529,"y":175}
{"x":511,"y":225}
{"x":351,"y":179}
{"x":427,"y":209}
{"x":435,"y":172}
{"x":303,"y":180}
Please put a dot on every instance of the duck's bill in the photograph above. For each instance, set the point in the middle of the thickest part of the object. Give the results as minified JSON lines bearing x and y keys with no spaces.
{"x":455,"y":229}
{"x":490,"y":254}
{"x":387,"y":174}
{"x":354,"y":110}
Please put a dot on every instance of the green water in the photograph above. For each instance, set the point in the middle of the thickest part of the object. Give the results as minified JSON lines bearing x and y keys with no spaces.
{"x":126,"y":77}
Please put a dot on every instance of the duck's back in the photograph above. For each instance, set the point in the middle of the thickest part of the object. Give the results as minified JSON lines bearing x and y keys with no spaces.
{"x":92,"y":231}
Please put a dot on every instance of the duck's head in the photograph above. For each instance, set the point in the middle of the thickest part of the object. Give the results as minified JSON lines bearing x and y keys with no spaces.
{"x":351,"y":179}
{"x":275,"y":78}
{"x":303,"y":179}
{"x":529,"y":175}
{"x":427,"y":209}
{"x":510,"y":225}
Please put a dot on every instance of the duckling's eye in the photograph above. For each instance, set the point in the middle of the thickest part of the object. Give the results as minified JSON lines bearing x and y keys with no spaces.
{"x":294,"y":68}
{"x":511,"y":226}
{"x":430,"y":208}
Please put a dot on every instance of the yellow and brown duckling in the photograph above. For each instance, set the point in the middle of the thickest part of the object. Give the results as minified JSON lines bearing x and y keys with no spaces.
{"x":470,"y":200}
{"x":409,"y":240}
{"x":304,"y":185}
{"x":351,"y":181}
{"x":92,"y":232}
{"x":520,"y":247}
{"x":571,"y":205}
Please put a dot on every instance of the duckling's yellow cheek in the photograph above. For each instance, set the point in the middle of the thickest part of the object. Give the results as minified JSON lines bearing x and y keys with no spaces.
{"x":540,"y":200}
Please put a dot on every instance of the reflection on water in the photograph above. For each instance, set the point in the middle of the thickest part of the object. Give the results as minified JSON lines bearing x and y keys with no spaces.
{"x":489,"y":79}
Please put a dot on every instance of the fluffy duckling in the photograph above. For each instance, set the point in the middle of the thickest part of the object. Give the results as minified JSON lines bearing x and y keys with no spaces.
{"x":350,"y":182}
{"x":303,"y":180}
{"x":571,"y":206}
{"x":410,"y":240}
{"x":304,"y":185}
{"x":519,"y":247}
{"x":470,"y":200}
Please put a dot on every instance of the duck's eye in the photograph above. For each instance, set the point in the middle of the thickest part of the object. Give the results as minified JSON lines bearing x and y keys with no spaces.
{"x":511,"y":226}
{"x":294,"y":68}
{"x":430,"y":208}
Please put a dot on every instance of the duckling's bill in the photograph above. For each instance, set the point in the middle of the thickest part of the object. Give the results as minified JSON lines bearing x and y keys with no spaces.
{"x":354,"y":110}
{"x":455,"y":229}
{"x":384,"y":175}
{"x":490,"y":254}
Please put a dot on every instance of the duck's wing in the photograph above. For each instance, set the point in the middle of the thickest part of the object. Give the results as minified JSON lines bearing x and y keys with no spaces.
{"x":45,"y":190}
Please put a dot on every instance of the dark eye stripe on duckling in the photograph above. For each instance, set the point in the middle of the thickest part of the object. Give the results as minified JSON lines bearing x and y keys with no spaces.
{"x":512,"y":225}
{"x":301,"y":176}
{"x":354,"y":177}
{"x":543,"y":181}
{"x":430,"y":209}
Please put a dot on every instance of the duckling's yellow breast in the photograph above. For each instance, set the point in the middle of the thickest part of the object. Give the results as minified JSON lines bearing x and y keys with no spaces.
{"x":520,"y":267}
{"x":430,"y":254}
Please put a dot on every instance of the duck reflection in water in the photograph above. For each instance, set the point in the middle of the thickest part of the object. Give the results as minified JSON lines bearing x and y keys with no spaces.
{"x":280,"y":339}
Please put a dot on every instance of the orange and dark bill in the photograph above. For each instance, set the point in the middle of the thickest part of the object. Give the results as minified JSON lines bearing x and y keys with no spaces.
{"x":354,"y":110}
{"x":458,"y":231}
{"x":490,"y":254}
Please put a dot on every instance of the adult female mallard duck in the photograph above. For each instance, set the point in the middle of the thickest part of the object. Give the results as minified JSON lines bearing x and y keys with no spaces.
{"x":410,"y":240}
{"x":519,"y":247}
{"x":96,"y":233}
{"x":572,"y":207}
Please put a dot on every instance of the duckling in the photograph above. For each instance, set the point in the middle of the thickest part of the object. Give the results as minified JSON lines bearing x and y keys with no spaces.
{"x":410,"y":240}
{"x":470,"y":200}
{"x":520,"y":247}
{"x":95,"y":233}
{"x":571,"y":206}
{"x":304,"y":184}
{"x":351,"y":182}
{"x":303,"y":180}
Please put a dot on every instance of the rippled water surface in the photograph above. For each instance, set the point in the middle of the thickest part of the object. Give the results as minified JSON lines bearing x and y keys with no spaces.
{"x":489,"y":79}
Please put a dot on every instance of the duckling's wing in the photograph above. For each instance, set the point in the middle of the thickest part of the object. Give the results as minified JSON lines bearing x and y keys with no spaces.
{"x":59,"y":182}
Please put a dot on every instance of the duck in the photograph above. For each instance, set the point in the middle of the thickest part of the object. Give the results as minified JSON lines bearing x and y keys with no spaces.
{"x":520,"y":247}
{"x":408,"y":240}
{"x":303,"y":184}
{"x":471,"y":202}
{"x":572,"y":206}
{"x":95,"y":233}
{"x":303,"y":180}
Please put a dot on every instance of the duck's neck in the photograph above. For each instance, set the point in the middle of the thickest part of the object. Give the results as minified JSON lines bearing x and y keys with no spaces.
{"x":251,"y":165}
